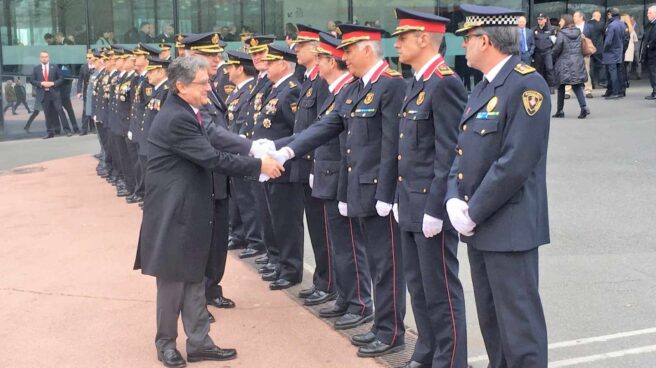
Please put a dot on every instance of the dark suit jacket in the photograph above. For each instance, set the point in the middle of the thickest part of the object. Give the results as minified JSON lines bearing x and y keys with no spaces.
{"x":176,"y":230}
{"x":54,"y":75}
{"x":530,"y":43}
{"x":648,"y":47}
{"x":83,"y":79}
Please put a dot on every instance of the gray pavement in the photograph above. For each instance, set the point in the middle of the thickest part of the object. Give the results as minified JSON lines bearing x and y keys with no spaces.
{"x":598,"y":275}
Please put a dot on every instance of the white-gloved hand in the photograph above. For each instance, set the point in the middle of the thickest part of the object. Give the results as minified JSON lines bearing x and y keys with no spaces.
{"x":431,"y":226}
{"x":395,"y":211}
{"x":311,"y":181}
{"x":263,"y":178}
{"x":282,"y":155}
{"x":129,"y":135}
{"x":459,"y":216}
{"x":261,"y":147}
{"x":343,"y":208}
{"x":383,"y":208}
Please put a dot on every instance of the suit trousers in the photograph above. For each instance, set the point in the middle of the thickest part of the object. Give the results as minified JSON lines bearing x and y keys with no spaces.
{"x":544,"y":65}
{"x":385,"y":259}
{"x":187,"y":298}
{"x":597,"y":70}
{"x":244,"y":207}
{"x":438,"y":303}
{"x":133,"y":165}
{"x":509,"y":307}
{"x":651,"y":69}
{"x":50,"y":106}
{"x":216,"y":262}
{"x":264,"y":222}
{"x":348,"y":262}
{"x":318,"y":230}
{"x":285,"y":204}
{"x":615,"y":79}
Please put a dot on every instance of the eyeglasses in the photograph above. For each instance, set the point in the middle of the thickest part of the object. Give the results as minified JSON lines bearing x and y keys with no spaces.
{"x":467,"y":37}
{"x":202,"y":83}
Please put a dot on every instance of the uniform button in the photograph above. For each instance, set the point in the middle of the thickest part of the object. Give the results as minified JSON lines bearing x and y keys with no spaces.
{"x":460,"y":151}
{"x":464,"y":127}
{"x":352,"y":114}
{"x":405,"y":114}
{"x":466,"y":198}
{"x":483,"y":131}
{"x":398,"y":157}
{"x":349,"y":169}
{"x":349,"y":132}
{"x":460,"y":176}
{"x":348,"y":151}
{"x":210,"y":222}
{"x":375,"y":181}
{"x":400,"y":178}
{"x":424,"y":190}
{"x":308,"y":157}
{"x":401,"y":135}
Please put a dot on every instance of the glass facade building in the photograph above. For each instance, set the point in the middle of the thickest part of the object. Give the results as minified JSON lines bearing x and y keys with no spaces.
{"x":77,"y":25}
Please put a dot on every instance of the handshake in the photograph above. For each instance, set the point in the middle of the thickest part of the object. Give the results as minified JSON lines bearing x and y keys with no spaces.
{"x":272,"y":160}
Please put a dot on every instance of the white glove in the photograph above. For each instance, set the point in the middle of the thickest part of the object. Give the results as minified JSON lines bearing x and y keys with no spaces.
{"x":129,"y":135}
{"x":431,"y":226}
{"x":458,"y":211}
{"x":282,"y":155}
{"x":311,"y":181}
{"x":343,"y":208}
{"x":263,"y":178}
{"x":261,"y":147}
{"x":395,"y":211}
{"x":383,"y":208}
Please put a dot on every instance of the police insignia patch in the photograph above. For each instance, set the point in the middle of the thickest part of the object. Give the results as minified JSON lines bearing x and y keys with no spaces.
{"x":492,"y":104}
{"x":331,"y":108}
{"x":349,"y":101}
{"x":228,"y":88}
{"x":215,"y":39}
{"x":524,"y":69}
{"x":309,"y":93}
{"x":149,"y":91}
{"x":368,"y":98}
{"x":444,"y":69}
{"x":420,"y":98}
{"x":532,"y":102}
{"x":294,"y":107}
{"x":266,"y":123}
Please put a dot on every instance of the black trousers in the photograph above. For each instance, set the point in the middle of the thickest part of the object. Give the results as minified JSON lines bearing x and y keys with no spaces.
{"x":133,"y":163}
{"x":66,"y":105}
{"x":348,"y":260}
{"x":317,"y":225}
{"x":543,"y":63}
{"x":264,"y":222}
{"x":615,"y":79}
{"x":216,"y":262}
{"x":140,"y":189}
{"x":509,"y":307}
{"x":651,"y":69}
{"x":438,"y":303}
{"x":385,"y":258}
{"x":578,"y":91}
{"x":598,"y":70}
{"x":285,"y":204}
{"x":242,"y":212}
{"x":50,"y":106}
{"x":105,"y":141}
{"x":117,"y":164}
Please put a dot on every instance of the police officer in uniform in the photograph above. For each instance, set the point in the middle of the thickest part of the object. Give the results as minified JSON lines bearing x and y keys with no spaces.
{"x":165,"y":51}
{"x":123,"y":105}
{"x":221,"y":80}
{"x":428,"y":129}
{"x":102,"y":115}
{"x":497,"y":194}
{"x":369,"y":176}
{"x":544,"y":34}
{"x":179,"y":46}
{"x":284,"y":199}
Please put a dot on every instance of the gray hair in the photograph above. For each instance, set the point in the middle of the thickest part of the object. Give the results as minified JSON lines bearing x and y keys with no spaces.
{"x":652,"y":8}
{"x":184,"y":69}
{"x":502,"y":38}
{"x":376,"y":47}
{"x":291,"y":65}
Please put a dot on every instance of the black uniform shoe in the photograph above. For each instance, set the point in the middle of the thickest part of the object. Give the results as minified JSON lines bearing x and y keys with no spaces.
{"x":272,"y":276}
{"x":250,"y":252}
{"x":221,"y":302}
{"x":267,"y":268}
{"x":133,"y":199}
{"x":558,"y":114}
{"x":350,"y":320}
{"x":214,"y":353}
{"x":122,"y":192}
{"x":363,"y":339}
{"x":262,"y":260}
{"x":378,"y":348}
{"x":281,"y":284}
{"x":651,"y":96}
{"x":171,"y":358}
{"x":319,"y":297}
{"x":307,"y":292}
{"x":236,"y":244}
{"x":330,"y":312}
{"x":49,"y":136}
{"x":413,"y":364}
{"x":83,"y":133}
{"x":211,"y":318}
{"x":613,"y":97}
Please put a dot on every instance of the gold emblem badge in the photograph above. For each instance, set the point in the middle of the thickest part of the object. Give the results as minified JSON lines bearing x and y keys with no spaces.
{"x":254,"y":42}
{"x":294,"y":107}
{"x":266,"y":123}
{"x":368,"y":98}
{"x":215,"y":39}
{"x":532,"y":102}
{"x":149,"y":91}
{"x":420,"y":98}
{"x":492,"y":104}
{"x":309,"y":93}
{"x":331,"y":108}
{"x":228,"y":88}
{"x":231,"y":116}
{"x":257,"y":104}
{"x":271,"y":106}
{"x":349,"y":101}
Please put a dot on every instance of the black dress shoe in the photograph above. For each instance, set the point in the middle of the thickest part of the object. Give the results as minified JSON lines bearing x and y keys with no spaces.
{"x":330,"y":312}
{"x":122,"y":192}
{"x":413,"y":364}
{"x":271,"y":276}
{"x":262,"y":260}
{"x":558,"y":114}
{"x":281,"y":284}
{"x":567,"y":97}
{"x":211,"y":317}
{"x":133,"y":199}
{"x":69,"y":134}
{"x":319,"y":297}
{"x":584,"y":112}
{"x":98,"y":156}
{"x":214,"y":353}
{"x":378,"y":348}
{"x":351,"y":320}
{"x":589,"y":95}
{"x":235,"y":244}
{"x":606,"y":94}
{"x":83,"y":133}
{"x":49,"y":136}
{"x":171,"y":358}
{"x":651,"y":97}
{"x":267,"y":268}
{"x":363,"y":339}
{"x":221,"y":302}
{"x":250,"y":252}
{"x":307,"y":292}
{"x":613,"y":97}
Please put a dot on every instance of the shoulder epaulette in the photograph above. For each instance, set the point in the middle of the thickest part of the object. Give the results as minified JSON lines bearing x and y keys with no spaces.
{"x":166,"y":86}
{"x":443,"y":70}
{"x":392,"y":73}
{"x":292,"y":84}
{"x":524,"y":69}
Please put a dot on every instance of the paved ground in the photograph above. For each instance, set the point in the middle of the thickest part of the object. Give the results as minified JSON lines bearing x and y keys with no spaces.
{"x":598,"y":275}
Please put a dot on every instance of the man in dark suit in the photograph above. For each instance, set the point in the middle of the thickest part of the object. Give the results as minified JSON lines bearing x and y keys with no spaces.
{"x":82,"y":84}
{"x":433,"y":104}
{"x":526,"y":41}
{"x":144,"y":35}
{"x":613,"y":55}
{"x":47,"y":78}
{"x":648,"y":50}
{"x":597,"y":68}
{"x":497,"y":192}
{"x":176,"y":229}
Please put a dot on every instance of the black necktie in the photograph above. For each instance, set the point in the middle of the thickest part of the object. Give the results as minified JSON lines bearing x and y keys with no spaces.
{"x":483,"y":84}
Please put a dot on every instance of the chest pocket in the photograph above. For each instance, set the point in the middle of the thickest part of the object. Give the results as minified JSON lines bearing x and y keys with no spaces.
{"x":484,"y":127}
{"x":309,"y":102}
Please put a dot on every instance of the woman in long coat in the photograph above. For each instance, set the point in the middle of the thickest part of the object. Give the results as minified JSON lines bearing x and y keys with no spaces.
{"x":569,"y":68}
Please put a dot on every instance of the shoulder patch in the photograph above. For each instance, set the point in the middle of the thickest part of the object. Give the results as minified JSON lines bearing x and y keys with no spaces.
{"x":443,"y":70}
{"x":228,"y":88}
{"x":294,"y":107}
{"x":524,"y":69}
{"x":166,"y":86}
{"x":392,"y":73}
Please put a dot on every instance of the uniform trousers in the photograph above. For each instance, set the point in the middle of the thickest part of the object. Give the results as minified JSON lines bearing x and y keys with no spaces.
{"x":285,"y":205}
{"x":348,"y":262}
{"x":216,"y":262}
{"x":141,"y":181}
{"x":242,"y":209}
{"x":264,"y":222}
{"x":509,"y":307}
{"x":187,"y":298}
{"x":437,"y":299}
{"x":385,"y":258}
{"x":133,"y":162}
{"x":127,"y":171}
{"x":103,"y":133}
{"x":316,"y":221}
